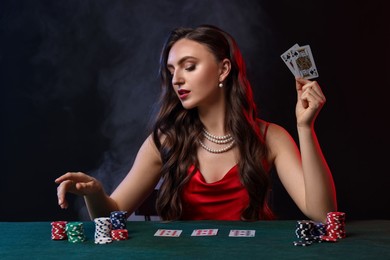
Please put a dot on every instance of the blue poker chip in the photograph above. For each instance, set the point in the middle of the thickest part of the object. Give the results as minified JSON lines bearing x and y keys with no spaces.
{"x":118,"y":219}
{"x":308,"y":232}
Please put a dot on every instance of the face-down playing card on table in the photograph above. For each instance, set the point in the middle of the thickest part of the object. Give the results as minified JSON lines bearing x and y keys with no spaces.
{"x":167,"y":233}
{"x":242,"y":233}
{"x":204,"y":232}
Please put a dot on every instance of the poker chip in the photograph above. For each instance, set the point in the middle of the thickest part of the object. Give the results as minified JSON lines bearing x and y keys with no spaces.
{"x":308,"y":232}
{"x":58,"y":230}
{"x":118,"y":219}
{"x":107,"y":229}
{"x":103,"y":230}
{"x":112,"y":228}
{"x":328,"y":238}
{"x":335,"y":227}
{"x":75,"y":232}
{"x":119,"y":234}
{"x":319,"y":229}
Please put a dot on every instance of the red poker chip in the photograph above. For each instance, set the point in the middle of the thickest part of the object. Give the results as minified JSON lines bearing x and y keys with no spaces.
{"x":329,"y":238}
{"x":335,"y":228}
{"x":58,"y":230}
{"x":119,"y":234}
{"x":58,"y":237}
{"x":336,"y":213}
{"x":59,"y":223}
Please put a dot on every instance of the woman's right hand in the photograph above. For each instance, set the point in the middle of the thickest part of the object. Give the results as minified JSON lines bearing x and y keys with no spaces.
{"x":77,"y":183}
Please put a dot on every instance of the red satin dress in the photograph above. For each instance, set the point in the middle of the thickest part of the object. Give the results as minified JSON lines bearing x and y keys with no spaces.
{"x":221,"y":200}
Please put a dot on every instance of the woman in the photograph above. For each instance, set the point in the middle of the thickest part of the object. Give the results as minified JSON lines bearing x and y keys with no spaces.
{"x":208,"y":146}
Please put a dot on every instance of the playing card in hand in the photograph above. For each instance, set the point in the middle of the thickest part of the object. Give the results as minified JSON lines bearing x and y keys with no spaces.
{"x":304,"y":63}
{"x":300,"y":61}
{"x":287,"y":57}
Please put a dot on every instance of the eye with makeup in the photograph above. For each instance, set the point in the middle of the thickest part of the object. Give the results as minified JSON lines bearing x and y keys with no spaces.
{"x":190,"y":67}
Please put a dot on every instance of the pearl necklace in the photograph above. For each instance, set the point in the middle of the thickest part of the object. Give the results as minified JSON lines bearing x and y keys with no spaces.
{"x":217,"y":140}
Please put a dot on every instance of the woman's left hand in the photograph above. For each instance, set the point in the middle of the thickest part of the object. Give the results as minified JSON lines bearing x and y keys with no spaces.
{"x":309,"y":103}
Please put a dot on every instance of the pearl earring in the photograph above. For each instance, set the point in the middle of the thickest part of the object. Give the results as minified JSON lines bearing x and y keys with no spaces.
{"x":220,"y":85}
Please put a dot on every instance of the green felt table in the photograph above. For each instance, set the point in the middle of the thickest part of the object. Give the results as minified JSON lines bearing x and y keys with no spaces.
{"x":273,"y":240}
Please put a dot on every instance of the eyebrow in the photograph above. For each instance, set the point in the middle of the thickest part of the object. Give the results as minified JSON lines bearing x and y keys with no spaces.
{"x":181,"y":61}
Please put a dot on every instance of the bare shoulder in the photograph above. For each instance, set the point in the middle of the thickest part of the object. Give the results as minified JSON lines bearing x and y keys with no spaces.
{"x":271,"y":130}
{"x":150,"y":150}
{"x":277,"y":138}
{"x":276,"y":131}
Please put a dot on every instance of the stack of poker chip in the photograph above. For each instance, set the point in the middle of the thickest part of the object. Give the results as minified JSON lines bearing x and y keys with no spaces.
{"x":319,"y":230}
{"x":119,"y":234}
{"x":58,"y":231}
{"x":118,"y":221}
{"x":308,"y":232}
{"x":103,"y":230}
{"x":335,"y":227}
{"x":75,"y":232}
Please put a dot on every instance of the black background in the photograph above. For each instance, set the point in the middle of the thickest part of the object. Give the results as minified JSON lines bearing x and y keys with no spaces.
{"x":79,"y":83}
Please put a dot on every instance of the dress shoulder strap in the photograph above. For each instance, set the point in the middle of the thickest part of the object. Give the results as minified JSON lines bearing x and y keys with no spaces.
{"x":265,"y":129}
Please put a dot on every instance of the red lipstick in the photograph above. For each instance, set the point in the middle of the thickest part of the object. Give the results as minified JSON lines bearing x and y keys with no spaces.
{"x":183,"y":93}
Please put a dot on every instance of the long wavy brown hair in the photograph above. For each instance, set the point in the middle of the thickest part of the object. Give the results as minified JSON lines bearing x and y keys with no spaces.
{"x":177,"y":130}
